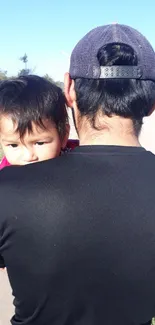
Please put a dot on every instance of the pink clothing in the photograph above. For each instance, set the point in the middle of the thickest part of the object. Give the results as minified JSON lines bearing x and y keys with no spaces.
{"x":4,"y":163}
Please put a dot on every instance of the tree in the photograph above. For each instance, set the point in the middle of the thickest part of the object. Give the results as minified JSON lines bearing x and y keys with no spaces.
{"x":3,"y":75}
{"x":25,"y":71}
{"x":24,"y":59}
{"x":58,"y":83}
{"x":47,"y":77}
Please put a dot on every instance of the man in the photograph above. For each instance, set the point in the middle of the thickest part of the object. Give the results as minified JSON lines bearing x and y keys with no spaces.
{"x":77,"y":233}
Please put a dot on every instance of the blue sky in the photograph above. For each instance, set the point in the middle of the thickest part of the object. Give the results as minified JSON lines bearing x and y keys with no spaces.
{"x":47,"y":30}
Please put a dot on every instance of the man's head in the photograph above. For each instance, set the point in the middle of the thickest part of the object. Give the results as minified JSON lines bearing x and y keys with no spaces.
{"x":112,"y":78}
{"x":33,"y":120}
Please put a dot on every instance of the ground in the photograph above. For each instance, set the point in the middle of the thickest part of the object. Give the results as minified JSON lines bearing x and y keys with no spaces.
{"x":6,"y":307}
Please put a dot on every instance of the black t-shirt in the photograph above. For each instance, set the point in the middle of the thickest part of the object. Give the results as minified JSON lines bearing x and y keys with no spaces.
{"x":77,"y":235}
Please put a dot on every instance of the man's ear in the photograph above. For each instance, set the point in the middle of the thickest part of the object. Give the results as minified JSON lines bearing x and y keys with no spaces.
{"x":65,"y":139}
{"x":69,"y":90}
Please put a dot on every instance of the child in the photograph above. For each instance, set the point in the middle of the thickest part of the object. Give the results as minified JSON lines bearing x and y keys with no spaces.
{"x":33,"y":121}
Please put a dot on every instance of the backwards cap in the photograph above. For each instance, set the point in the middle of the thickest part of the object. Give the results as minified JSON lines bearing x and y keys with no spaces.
{"x":84,"y":62}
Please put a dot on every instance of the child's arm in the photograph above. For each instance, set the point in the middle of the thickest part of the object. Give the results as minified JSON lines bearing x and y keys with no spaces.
{"x":4,"y":163}
{"x":71,"y":144}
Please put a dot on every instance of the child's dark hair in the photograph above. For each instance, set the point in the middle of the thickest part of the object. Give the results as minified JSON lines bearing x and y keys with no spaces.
{"x":30,"y":99}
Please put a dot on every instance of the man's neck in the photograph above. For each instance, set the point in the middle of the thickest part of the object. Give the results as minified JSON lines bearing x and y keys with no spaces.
{"x":115,"y":131}
{"x":109,"y":140}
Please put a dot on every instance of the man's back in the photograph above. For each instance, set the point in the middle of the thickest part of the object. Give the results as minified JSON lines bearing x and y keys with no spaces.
{"x":77,"y":234}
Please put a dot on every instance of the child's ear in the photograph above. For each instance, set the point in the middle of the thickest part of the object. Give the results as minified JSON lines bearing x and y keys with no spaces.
{"x":64,"y":141}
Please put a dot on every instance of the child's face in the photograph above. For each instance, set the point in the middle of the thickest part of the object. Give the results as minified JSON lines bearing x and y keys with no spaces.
{"x":40,"y":144}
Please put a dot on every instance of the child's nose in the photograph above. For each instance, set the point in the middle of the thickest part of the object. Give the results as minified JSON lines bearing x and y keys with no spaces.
{"x":29,"y":155}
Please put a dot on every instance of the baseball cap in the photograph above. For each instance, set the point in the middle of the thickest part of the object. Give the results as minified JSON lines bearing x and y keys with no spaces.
{"x":84,"y":62}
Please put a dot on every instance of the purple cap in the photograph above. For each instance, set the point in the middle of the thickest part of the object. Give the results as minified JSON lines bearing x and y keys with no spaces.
{"x":84,"y":62}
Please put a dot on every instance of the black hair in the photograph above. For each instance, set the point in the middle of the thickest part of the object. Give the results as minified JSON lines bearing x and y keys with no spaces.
{"x":30,"y":99}
{"x":128,"y":98}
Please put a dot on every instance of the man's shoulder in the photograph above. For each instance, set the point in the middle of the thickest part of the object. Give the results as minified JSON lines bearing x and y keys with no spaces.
{"x":147,"y":161}
{"x":69,"y":162}
{"x":29,"y":172}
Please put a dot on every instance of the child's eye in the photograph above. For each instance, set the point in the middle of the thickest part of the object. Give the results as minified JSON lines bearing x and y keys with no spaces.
{"x":13,"y":145}
{"x":40,"y":143}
